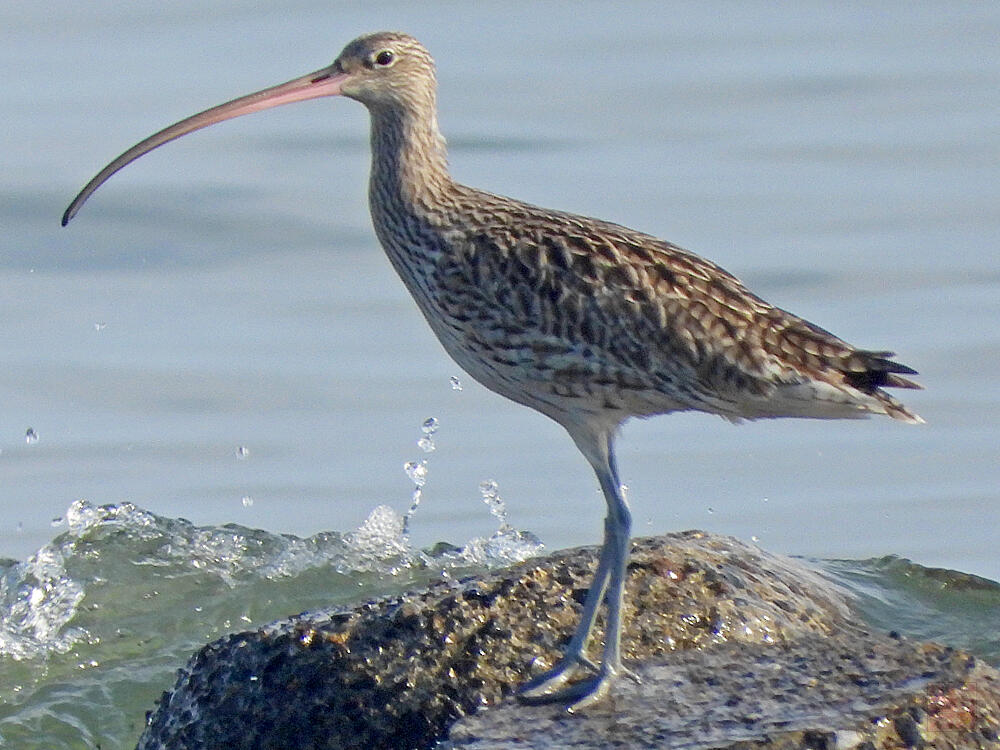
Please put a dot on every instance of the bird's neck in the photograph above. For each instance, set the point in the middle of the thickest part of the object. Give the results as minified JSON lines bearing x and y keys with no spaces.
{"x":409,"y":162}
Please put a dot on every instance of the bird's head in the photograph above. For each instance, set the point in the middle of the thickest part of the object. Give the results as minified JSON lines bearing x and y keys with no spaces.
{"x":385,"y":69}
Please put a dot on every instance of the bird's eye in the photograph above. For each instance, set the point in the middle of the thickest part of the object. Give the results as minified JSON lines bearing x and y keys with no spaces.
{"x":385,"y":58}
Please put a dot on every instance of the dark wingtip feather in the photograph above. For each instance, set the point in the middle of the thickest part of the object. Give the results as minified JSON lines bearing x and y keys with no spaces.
{"x":876,"y":370}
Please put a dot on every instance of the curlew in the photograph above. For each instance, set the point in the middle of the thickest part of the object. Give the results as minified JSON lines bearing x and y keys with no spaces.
{"x":585,"y":321}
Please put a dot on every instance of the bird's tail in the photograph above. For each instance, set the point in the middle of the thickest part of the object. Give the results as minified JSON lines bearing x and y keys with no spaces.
{"x":871,"y":372}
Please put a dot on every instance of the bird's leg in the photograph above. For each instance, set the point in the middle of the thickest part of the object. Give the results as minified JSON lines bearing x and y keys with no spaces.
{"x":607,"y":585}
{"x":545,"y":687}
{"x":618,"y":532}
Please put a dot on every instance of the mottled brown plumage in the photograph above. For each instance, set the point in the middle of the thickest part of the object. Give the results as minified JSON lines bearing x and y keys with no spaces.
{"x":575,"y":308}
{"x":586,"y":321}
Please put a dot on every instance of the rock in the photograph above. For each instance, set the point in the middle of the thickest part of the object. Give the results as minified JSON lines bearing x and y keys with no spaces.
{"x":822,"y":693}
{"x":736,"y":648}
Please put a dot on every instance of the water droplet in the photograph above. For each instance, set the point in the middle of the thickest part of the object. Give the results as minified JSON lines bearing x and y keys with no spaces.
{"x":456,"y":384}
{"x":242,"y":452}
{"x":429,"y":427}
{"x":755,"y":539}
{"x":57,"y":521}
{"x":100,"y":326}
{"x":247,"y":501}
{"x":414,"y":504}
{"x":490,"y":491}
{"x":30,"y":436}
{"x":711,"y":509}
{"x":20,"y":527}
{"x":765,"y":499}
{"x":416,"y":471}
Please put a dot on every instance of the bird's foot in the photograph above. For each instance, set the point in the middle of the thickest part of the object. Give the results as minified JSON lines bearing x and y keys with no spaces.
{"x":551,"y":686}
{"x":545,"y":688}
{"x":626,"y":672}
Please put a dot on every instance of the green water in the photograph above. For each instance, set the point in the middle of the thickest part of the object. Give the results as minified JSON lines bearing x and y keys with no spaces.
{"x":931,"y":604}
{"x":95,"y":624}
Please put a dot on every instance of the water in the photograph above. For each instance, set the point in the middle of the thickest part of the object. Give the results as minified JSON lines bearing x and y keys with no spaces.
{"x":218,"y":325}
{"x":97,"y":622}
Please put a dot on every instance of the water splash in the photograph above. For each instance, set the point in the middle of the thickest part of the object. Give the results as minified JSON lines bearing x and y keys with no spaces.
{"x":506,"y":544}
{"x":30,"y":436}
{"x":456,"y":384}
{"x":490,"y":491}
{"x":380,"y":538}
{"x":121,"y":559}
{"x":38,"y":598}
{"x":94,"y":624}
{"x":417,"y":470}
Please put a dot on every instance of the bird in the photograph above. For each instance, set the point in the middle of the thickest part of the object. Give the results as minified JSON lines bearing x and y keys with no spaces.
{"x":588,"y":322}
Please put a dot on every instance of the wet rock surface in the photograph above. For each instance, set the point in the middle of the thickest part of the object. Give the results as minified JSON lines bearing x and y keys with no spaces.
{"x":864,"y":692}
{"x":736,"y":648}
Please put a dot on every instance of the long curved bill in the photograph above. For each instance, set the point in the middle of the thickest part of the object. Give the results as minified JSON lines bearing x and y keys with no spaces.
{"x":324,"y":82}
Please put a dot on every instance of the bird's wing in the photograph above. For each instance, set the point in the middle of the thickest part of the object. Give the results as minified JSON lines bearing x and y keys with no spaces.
{"x":629,"y":305}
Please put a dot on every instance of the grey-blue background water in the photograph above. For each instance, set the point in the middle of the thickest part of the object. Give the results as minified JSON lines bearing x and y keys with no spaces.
{"x":218,"y":338}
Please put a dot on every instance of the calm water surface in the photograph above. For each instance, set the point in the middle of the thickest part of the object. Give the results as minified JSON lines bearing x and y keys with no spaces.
{"x":217,"y":337}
